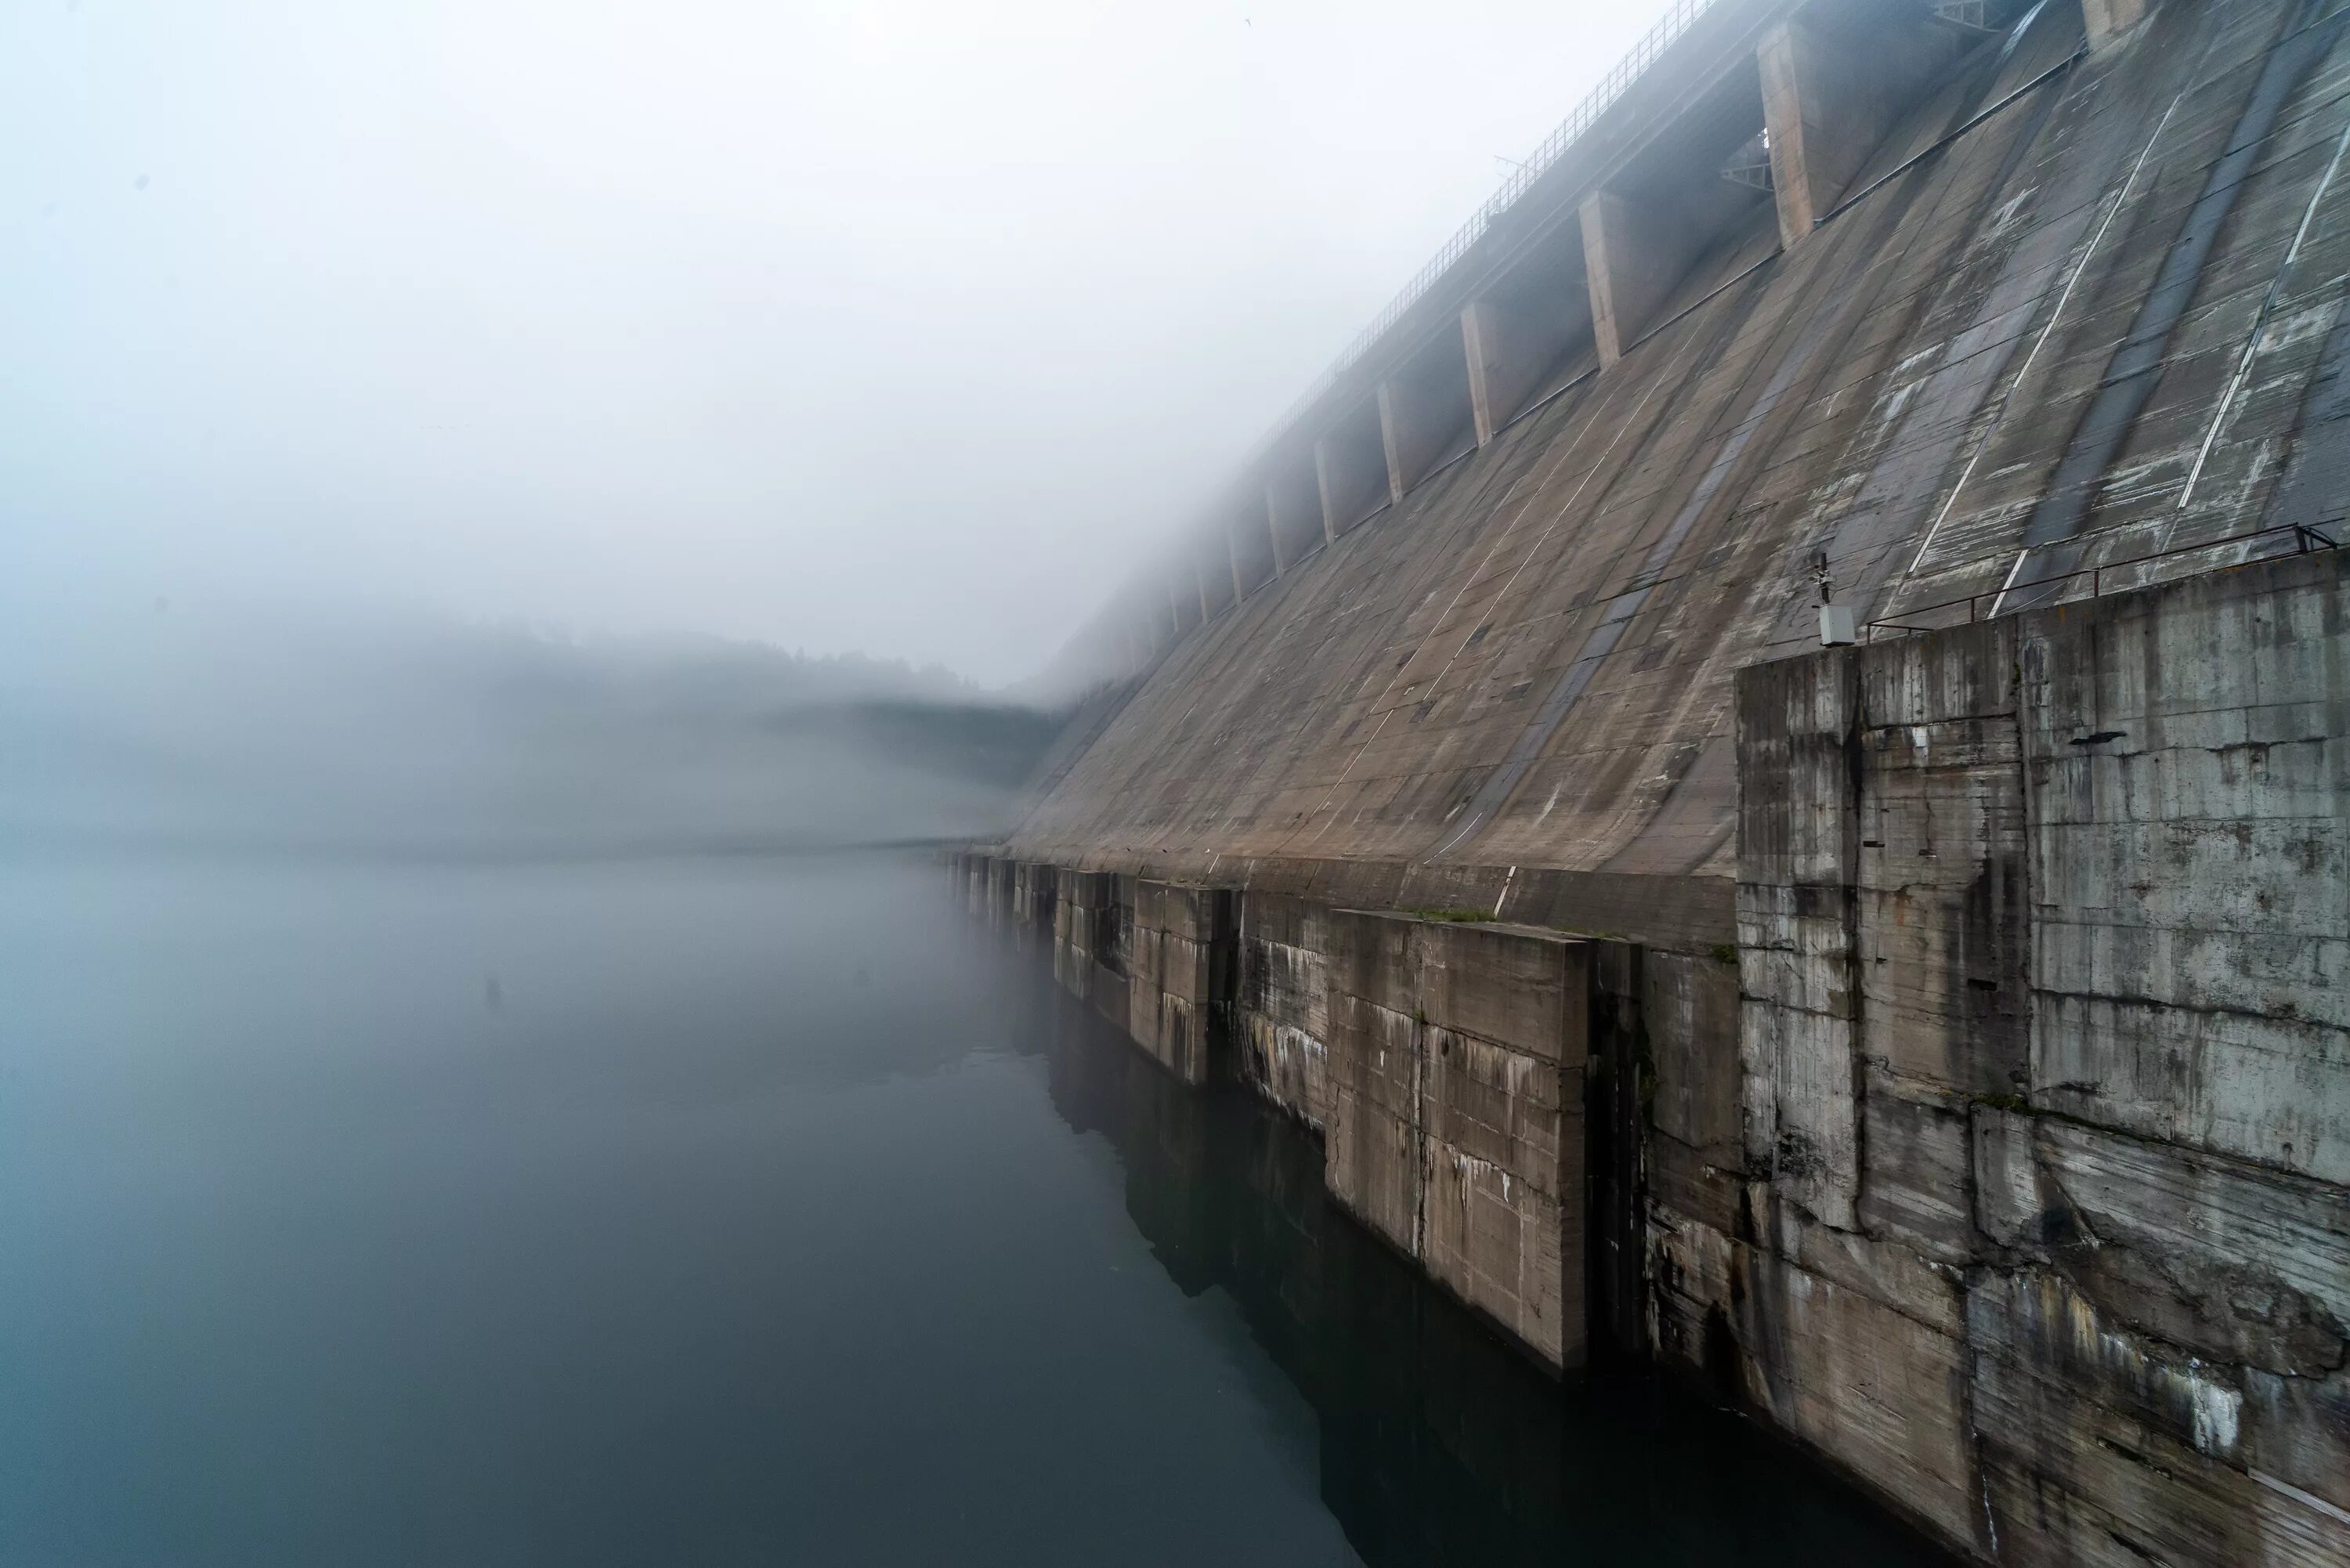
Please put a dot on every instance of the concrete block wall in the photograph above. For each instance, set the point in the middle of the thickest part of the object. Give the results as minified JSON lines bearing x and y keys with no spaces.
{"x":999,"y":893}
{"x":1682,"y":1059}
{"x":1999,"y":1160}
{"x":2040,"y":1224}
{"x":1180,"y":952}
{"x":1455,"y":1123}
{"x":1035,"y":890}
{"x":1092,"y":915}
{"x":1282,"y":1013}
{"x":1444,"y":1063}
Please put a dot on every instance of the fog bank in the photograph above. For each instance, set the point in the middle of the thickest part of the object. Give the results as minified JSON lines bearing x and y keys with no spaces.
{"x":379,"y":733}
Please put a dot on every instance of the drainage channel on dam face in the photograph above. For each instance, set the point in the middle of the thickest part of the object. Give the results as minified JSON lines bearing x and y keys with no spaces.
{"x":733,"y":1210}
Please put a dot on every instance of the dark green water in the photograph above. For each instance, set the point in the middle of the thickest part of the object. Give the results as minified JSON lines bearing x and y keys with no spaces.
{"x":722,"y":1212}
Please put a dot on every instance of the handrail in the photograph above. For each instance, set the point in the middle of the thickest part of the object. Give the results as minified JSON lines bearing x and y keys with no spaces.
{"x":2306,"y":538}
{"x":1676,"y":21}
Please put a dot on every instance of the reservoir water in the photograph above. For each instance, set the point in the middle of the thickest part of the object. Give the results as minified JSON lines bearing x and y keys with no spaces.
{"x":719,"y":1211}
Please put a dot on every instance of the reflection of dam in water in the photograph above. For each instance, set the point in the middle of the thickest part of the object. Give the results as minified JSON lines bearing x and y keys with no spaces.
{"x":1438,"y":1443}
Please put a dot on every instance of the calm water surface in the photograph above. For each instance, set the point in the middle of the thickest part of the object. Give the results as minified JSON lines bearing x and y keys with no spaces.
{"x":722,"y":1212}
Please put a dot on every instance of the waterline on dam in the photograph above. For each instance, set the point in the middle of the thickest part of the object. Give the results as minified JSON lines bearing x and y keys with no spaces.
{"x":725,"y":1211}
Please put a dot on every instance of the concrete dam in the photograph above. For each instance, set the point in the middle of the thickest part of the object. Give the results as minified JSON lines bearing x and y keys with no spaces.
{"x":1764,"y":762}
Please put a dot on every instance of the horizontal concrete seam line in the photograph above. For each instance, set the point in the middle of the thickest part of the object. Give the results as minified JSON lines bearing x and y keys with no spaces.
{"x":1453,"y":461}
{"x":1923,"y":1320}
{"x":1570,"y":384}
{"x":2307,"y":1500}
{"x":1697,"y":305}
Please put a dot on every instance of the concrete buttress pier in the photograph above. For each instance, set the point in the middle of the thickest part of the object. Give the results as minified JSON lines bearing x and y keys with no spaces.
{"x":1292,"y":507}
{"x":1351,"y":470}
{"x":1425,"y":414}
{"x":1634,"y":251}
{"x":1832,"y":87}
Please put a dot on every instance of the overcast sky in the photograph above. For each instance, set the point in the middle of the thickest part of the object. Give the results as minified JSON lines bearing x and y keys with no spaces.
{"x":902,"y":327}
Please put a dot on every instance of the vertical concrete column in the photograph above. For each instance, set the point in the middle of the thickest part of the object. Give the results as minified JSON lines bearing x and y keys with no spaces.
{"x":1325,"y":477}
{"x":1489,"y":397}
{"x":1248,"y":547}
{"x":1424,"y":406}
{"x":1809,"y":158}
{"x":1200,"y":574}
{"x":1829,"y":96}
{"x":1399,"y":439}
{"x":1273,"y":529}
{"x":1507,"y":348}
{"x":1633,"y":255}
{"x":2107,"y":19}
{"x":1182,"y":976}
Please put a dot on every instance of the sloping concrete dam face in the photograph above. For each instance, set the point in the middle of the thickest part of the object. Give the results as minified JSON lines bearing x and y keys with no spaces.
{"x":1939,"y":1044}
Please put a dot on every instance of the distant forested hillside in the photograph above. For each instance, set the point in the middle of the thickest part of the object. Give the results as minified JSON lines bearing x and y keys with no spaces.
{"x":413,"y":735}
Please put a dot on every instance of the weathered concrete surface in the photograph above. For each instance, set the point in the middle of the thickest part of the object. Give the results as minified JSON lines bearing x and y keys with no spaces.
{"x":2046,"y":1073}
{"x":1834,"y":81}
{"x":1454,"y":1128}
{"x":2187,"y":757}
{"x":1178,"y":950}
{"x":1634,"y":251}
{"x":2002,"y":1168}
{"x":1977,"y":996}
{"x":1562,"y":609}
{"x":1283,"y":1010}
{"x":1443,"y":1061}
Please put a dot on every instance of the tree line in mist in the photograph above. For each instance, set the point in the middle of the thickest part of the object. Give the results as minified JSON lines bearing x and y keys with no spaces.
{"x":383,"y":733}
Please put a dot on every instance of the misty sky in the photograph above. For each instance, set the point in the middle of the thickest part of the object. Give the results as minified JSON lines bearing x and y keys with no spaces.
{"x":901,"y":328}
